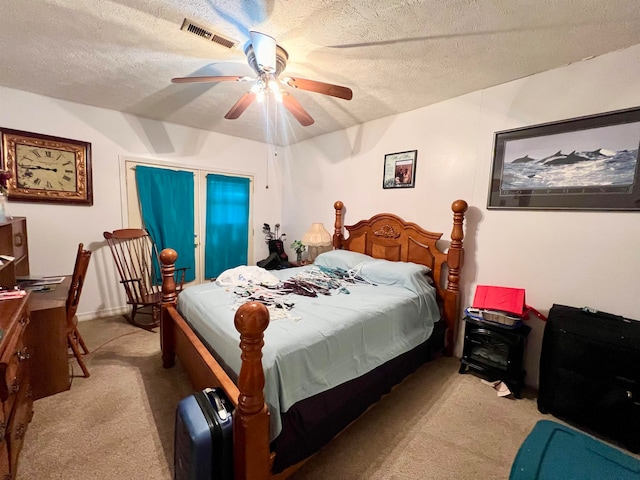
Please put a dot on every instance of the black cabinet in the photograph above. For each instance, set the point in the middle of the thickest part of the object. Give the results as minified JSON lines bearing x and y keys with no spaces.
{"x":495,"y":352}
{"x":590,"y":372}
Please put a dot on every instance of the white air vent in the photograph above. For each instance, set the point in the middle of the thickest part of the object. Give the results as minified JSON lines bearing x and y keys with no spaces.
{"x":208,"y":34}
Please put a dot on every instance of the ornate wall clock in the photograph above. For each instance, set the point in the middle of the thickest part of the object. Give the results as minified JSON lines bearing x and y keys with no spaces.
{"x":46,"y":169}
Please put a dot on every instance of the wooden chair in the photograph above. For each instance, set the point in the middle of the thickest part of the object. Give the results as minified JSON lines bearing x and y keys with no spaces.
{"x":74,"y":339}
{"x":137,"y":261}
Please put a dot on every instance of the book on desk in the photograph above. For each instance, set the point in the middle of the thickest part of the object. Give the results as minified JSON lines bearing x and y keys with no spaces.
{"x":39,"y":284}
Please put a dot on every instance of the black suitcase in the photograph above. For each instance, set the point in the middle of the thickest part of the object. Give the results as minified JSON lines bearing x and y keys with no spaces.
{"x":203,"y":437}
{"x":590,"y":372}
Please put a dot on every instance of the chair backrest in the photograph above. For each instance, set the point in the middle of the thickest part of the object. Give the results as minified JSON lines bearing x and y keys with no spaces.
{"x":77,"y":281}
{"x":136,"y":259}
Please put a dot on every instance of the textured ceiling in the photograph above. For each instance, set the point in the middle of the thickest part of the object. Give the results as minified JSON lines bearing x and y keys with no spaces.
{"x":395,"y":56}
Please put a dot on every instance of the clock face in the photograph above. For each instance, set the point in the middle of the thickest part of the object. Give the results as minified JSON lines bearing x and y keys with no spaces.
{"x":45,"y":168}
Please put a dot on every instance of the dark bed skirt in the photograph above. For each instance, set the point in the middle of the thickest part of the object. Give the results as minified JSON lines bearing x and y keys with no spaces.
{"x":311,"y":423}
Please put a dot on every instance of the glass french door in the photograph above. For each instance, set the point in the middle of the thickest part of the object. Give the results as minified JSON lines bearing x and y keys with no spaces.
{"x":227,"y":223}
{"x":201,"y":207}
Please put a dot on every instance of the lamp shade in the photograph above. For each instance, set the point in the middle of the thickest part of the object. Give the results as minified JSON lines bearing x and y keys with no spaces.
{"x":317,"y":239}
{"x":316,"y":236}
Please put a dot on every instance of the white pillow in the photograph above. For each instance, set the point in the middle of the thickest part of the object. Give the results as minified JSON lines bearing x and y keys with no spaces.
{"x":344,"y":259}
{"x":411,"y":276}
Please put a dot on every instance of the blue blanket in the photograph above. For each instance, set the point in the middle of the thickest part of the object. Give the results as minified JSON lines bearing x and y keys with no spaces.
{"x":329,"y":340}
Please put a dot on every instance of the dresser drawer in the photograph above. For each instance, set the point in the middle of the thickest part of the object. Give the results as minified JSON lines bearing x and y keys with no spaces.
{"x":19,"y":387}
{"x":13,"y":361}
{"x":19,"y":420}
{"x":5,"y":467}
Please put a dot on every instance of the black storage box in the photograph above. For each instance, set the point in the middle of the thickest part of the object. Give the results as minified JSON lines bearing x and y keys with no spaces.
{"x":590,"y":372}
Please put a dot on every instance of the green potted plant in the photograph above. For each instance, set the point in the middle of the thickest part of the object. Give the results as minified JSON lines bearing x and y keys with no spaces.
{"x":299,"y":248}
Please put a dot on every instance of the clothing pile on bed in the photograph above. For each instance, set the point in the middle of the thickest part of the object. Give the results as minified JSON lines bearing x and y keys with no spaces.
{"x":250,"y":283}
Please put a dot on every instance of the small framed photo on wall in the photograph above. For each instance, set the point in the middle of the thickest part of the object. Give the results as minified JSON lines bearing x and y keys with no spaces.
{"x":400,"y":170}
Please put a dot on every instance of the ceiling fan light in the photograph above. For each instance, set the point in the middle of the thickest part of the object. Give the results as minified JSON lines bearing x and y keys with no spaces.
{"x":274,"y":86}
{"x":268,"y":60}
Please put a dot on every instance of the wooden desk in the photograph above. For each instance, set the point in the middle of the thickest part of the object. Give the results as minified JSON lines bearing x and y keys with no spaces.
{"x":47,"y":336}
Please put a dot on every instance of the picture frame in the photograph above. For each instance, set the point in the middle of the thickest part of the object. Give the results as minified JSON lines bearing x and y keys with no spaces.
{"x":584,"y":163}
{"x":46,"y":169}
{"x":400,"y":169}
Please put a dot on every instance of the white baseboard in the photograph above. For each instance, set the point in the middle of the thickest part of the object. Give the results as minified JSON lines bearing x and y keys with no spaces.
{"x":110,"y":312}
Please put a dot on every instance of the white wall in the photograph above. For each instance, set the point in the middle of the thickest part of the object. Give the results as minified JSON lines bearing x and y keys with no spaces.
{"x":575,"y":258}
{"x":54,"y":231}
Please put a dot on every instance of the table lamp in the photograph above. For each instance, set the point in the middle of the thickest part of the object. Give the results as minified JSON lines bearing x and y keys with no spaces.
{"x":317,"y":240}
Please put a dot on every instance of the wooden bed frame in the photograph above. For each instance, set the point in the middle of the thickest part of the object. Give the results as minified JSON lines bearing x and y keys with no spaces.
{"x":382,"y":236}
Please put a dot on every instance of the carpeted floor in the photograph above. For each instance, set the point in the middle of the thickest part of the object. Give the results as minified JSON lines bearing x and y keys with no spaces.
{"x":118,"y":423}
{"x":437,"y":424}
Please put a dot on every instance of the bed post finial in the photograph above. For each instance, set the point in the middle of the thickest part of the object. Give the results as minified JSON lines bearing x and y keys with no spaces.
{"x":337,"y":228}
{"x":251,"y":418}
{"x":455,"y":259}
{"x":168,"y":258}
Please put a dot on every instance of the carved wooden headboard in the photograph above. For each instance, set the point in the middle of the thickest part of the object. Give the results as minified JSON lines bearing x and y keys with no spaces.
{"x":389,"y":237}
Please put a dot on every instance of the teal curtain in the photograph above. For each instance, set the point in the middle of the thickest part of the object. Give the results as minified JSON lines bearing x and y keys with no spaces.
{"x":166,"y":202}
{"x":227,"y":230}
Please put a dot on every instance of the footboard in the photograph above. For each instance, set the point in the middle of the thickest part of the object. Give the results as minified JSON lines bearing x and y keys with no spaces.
{"x":252,"y":458}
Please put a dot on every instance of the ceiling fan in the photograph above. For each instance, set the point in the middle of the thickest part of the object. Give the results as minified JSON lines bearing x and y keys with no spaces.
{"x":269,"y":60}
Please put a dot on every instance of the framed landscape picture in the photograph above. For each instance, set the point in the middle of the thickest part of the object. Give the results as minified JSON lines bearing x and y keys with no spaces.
{"x":586,"y":163}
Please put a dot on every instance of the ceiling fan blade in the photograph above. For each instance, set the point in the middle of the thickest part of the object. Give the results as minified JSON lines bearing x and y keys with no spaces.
{"x":297,"y":110}
{"x":209,"y":79}
{"x":320,"y":87}
{"x":240,"y":106}
{"x":264,"y":49}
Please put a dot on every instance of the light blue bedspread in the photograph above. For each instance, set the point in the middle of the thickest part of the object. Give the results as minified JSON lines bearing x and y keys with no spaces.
{"x":337,"y":338}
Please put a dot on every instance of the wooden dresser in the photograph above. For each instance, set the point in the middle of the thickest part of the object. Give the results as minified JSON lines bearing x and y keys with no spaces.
{"x":15,"y":383}
{"x":34,"y":360}
{"x":16,"y":359}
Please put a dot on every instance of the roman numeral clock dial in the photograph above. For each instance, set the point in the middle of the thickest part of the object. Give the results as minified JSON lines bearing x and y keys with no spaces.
{"x":45,"y":168}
